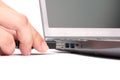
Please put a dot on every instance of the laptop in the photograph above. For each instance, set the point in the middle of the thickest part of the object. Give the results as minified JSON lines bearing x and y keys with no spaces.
{"x":90,"y":26}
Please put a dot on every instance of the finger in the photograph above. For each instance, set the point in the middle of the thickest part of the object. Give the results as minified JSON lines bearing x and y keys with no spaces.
{"x":12,"y":32}
{"x":26,"y":40}
{"x":7,"y":44}
{"x":38,"y":42}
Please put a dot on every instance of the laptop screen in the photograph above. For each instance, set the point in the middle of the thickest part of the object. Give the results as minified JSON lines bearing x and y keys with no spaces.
{"x":83,"y":13}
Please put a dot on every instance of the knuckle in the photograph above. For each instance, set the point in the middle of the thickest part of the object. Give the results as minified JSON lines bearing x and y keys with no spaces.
{"x":26,"y":42}
{"x":6,"y":38}
{"x":9,"y":39}
{"x":22,"y":21}
{"x":8,"y":45}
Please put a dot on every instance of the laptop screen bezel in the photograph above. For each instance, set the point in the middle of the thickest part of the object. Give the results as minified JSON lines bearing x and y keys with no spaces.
{"x":74,"y":32}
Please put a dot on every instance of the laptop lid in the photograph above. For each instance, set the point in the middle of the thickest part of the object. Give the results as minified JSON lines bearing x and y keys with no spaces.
{"x":81,"y":18}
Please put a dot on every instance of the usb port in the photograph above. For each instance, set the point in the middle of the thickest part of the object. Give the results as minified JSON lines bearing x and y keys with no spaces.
{"x":72,"y":45}
{"x":67,"y":45}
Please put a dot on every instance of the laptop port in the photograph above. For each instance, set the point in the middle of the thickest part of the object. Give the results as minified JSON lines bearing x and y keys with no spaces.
{"x":67,"y":45}
{"x":77,"y":45}
{"x":72,"y":45}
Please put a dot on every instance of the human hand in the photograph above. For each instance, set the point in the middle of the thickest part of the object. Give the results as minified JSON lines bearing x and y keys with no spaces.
{"x":15,"y":26}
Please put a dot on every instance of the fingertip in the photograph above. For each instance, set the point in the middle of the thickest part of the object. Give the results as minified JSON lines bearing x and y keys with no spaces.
{"x":25,"y":50}
{"x":44,"y":46}
{"x":41,"y":47}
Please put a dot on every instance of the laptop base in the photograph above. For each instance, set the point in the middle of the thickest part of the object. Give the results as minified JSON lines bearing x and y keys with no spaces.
{"x":94,"y":47}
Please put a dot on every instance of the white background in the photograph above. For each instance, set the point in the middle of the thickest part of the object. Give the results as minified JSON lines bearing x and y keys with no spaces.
{"x":54,"y":65}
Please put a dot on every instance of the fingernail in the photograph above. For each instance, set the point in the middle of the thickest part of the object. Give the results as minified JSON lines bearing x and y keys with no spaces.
{"x":44,"y":46}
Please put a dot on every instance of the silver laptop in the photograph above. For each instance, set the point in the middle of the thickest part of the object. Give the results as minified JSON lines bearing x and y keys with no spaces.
{"x":82,"y":25}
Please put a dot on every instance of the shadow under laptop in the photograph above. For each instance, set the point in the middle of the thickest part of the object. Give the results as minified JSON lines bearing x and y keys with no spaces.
{"x":95,"y":55}
{"x":87,"y":54}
